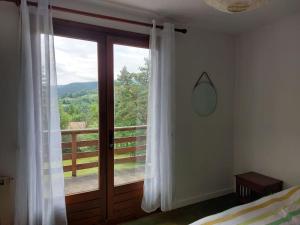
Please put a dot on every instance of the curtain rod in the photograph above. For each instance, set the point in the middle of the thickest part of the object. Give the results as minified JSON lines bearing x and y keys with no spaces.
{"x":99,"y":16}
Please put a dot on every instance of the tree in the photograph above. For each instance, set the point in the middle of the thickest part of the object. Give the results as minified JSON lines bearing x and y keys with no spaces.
{"x":64,"y":117}
{"x":131,"y":97}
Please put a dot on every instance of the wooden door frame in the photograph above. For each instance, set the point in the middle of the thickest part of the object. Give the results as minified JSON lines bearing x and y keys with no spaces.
{"x":78,"y":204}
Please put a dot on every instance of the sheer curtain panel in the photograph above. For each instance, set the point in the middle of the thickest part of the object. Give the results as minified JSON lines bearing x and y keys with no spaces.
{"x":40,"y":196}
{"x":158,"y":183}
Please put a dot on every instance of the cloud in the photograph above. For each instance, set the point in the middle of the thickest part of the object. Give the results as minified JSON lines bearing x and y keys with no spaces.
{"x":131,"y":57}
{"x":76,"y":60}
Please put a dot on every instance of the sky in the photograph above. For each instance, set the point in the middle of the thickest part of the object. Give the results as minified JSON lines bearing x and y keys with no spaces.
{"x":76,"y":60}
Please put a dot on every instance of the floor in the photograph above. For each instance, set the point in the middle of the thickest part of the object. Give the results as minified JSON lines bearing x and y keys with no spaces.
{"x":89,"y":182}
{"x":188,"y":214}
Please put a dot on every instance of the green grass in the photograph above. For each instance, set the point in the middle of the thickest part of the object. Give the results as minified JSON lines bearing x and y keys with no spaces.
{"x":119,"y":166}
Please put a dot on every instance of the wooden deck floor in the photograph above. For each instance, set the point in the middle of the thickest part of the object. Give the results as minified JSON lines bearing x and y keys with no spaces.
{"x":86,"y":183}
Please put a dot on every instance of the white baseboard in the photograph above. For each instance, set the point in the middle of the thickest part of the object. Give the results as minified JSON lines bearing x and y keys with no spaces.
{"x":202,"y":197}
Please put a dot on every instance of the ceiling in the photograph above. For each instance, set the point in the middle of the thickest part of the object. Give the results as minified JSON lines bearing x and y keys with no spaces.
{"x":197,"y":13}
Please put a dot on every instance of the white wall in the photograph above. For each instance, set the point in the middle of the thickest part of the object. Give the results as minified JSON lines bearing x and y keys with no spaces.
{"x":9,"y":59}
{"x":267,"y":106}
{"x":204,"y":147}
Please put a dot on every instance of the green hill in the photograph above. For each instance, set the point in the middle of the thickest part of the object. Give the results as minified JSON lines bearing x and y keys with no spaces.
{"x":62,"y":90}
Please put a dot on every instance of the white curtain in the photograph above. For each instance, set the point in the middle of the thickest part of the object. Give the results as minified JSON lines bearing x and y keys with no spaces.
{"x":39,"y":182}
{"x":158,"y":183}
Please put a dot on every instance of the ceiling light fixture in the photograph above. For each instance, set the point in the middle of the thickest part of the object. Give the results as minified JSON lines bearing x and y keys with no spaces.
{"x":235,"y":6}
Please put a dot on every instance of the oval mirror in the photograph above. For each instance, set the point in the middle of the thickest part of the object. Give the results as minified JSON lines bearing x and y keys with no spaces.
{"x":204,"y":98}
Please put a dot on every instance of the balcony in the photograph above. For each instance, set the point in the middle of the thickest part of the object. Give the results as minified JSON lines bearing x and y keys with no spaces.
{"x":81,"y":157}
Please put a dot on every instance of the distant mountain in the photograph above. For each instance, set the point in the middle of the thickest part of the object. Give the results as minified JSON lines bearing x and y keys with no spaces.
{"x":75,"y":87}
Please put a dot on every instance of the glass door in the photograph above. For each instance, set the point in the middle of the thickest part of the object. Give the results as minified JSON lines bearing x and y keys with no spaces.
{"x":131,"y":75}
{"x":128,"y":74}
{"x":103,"y":77}
{"x":80,"y":64}
{"x":77,"y":79}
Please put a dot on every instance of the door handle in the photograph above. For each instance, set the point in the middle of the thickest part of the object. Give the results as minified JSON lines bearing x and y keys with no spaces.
{"x":111,"y":140}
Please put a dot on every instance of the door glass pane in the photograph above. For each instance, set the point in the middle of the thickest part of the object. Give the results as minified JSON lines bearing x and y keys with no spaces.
{"x":131,"y":74}
{"x":77,"y":78}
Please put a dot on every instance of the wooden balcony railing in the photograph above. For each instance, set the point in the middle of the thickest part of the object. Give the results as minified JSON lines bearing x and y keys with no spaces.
{"x":129,"y":139}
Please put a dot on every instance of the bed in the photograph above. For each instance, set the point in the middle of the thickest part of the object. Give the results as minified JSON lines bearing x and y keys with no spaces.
{"x":278,"y":209}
